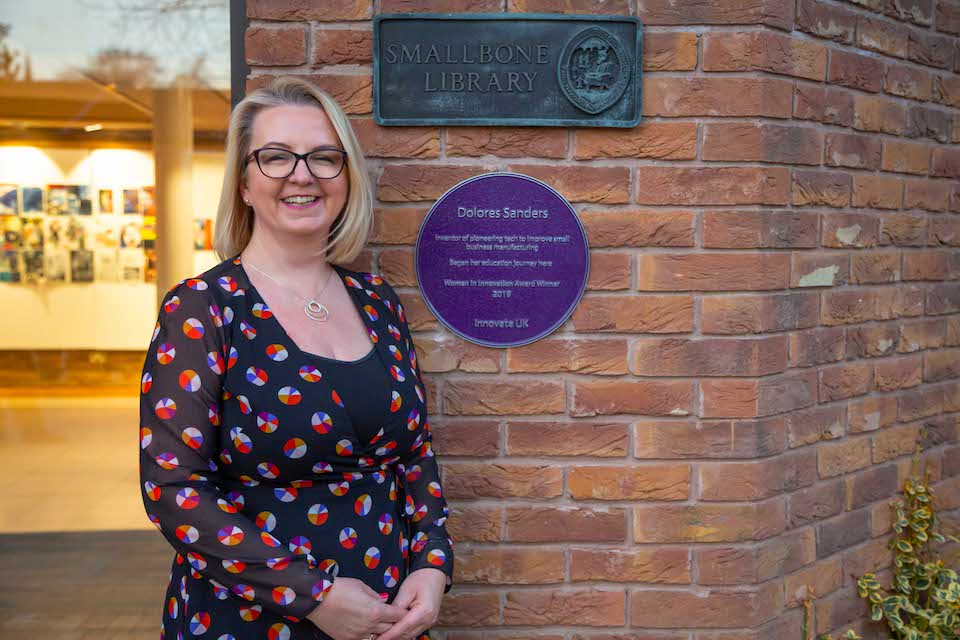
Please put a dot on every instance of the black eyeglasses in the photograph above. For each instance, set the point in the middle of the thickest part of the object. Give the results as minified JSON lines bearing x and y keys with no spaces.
{"x":323,"y":163}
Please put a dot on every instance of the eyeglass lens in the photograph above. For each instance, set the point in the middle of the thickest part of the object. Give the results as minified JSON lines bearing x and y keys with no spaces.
{"x":278,"y":163}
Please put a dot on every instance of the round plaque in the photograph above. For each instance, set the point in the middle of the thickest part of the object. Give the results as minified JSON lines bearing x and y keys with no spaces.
{"x":502,"y":259}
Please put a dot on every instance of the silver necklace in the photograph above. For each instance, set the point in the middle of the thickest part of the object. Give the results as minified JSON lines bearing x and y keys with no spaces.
{"x":313,"y":309}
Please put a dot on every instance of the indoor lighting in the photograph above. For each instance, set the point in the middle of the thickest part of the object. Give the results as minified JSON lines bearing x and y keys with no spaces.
{"x":90,"y":128}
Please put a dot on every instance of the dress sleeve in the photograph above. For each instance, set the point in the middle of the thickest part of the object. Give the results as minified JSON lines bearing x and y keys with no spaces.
{"x":180,"y":407}
{"x":426,"y":509}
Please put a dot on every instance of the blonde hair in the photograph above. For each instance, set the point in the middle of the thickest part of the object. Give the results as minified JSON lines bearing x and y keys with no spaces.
{"x":234,"y":224}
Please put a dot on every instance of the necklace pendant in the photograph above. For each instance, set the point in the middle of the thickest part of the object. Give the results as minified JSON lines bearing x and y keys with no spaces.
{"x":316,"y":311}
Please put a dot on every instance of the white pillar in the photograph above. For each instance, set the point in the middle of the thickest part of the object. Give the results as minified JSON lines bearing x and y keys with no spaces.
{"x":173,"y":158}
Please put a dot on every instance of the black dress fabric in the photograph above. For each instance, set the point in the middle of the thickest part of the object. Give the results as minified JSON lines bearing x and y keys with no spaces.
{"x":266,"y":482}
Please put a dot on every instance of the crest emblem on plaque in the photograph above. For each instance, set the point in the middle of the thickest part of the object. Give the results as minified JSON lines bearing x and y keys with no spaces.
{"x":594,"y":70}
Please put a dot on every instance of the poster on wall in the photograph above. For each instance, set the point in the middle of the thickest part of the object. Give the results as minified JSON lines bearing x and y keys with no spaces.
{"x":131,"y":265}
{"x":9,"y":266}
{"x":56,"y":264}
{"x":147,"y":204}
{"x":131,"y":234}
{"x":11,"y":229}
{"x":81,"y":265}
{"x":31,"y":199}
{"x":106,"y":265}
{"x":9,"y":200}
{"x":105,"y":201}
{"x":107,"y":234}
{"x":203,"y":234}
{"x":131,"y":201}
{"x":32,"y":267}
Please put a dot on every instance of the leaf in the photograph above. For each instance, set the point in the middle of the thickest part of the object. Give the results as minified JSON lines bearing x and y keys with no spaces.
{"x":904,"y":546}
{"x":876,"y":613}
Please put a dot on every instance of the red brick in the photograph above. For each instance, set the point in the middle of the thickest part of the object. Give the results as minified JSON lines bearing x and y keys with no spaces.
{"x":842,"y":532}
{"x":670,"y":51}
{"x":342,"y":46}
{"x":565,"y":524}
{"x":855,"y":71}
{"x":610,"y":185}
{"x":943,"y":298}
{"x":848,"y":307}
{"x":879,"y":114}
{"x":609,"y":271}
{"x":946,"y":163}
{"x":607,"y":356}
{"x":475,"y":438}
{"x":946,"y":231}
{"x":946,"y":90}
{"x":815,"y":424}
{"x":276,"y":47}
{"x":473,"y":480}
{"x":712,"y":271}
{"x":638,"y":228}
{"x":926,"y":265}
{"x":900,"y":156}
{"x":845,"y":381}
{"x":893,"y":442}
{"x":579,"y":438}
{"x":662,"y":565}
{"x":644,"y":397}
{"x":916,"y":11}
{"x":716,"y":96}
{"x":397,"y":225}
{"x":512,"y":142}
{"x":397,"y":266}
{"x":470,"y":609}
{"x":709,"y":356}
{"x":816,"y":580}
{"x":751,"y":397}
{"x":930,"y":49}
{"x":818,"y":270}
{"x":759,"y":229}
{"x":877,"y":191}
{"x":948,"y":17}
{"x":926,"y":333}
{"x":509,"y":565}
{"x":829,"y":105}
{"x":943,"y":364}
{"x":821,"y":188}
{"x":843,"y":457}
{"x":853,"y":150}
{"x":871,"y":341}
{"x":807,"y":506}
{"x":476,"y":397}
{"x":869,"y":558}
{"x":839,"y":230}
{"x":870,"y":485}
{"x":353,"y":92}
{"x":743,"y":314}
{"x":449,"y":353}
{"x":929,"y":195}
{"x":591,"y":608}
{"x":636,"y":314}
{"x":764,"y":51}
{"x":884,"y":36}
{"x":287,"y":10}
{"x":752,"y":142}
{"x":817,"y":346}
{"x":712,"y":185}
{"x":875,"y":267}
{"x":712,"y":609}
{"x":469,"y":523}
{"x":658,"y":140}
{"x":718,"y":439}
{"x":396,"y":142}
{"x":903,"y":229}
{"x":664,"y":12}
{"x":723,"y":565}
{"x":437,"y":6}
{"x":664,"y":482}
{"x":908,"y":82}
{"x":664,"y":523}
{"x":757,"y":479}
{"x":414,"y":182}
{"x":929,"y":122}
{"x":826,"y":21}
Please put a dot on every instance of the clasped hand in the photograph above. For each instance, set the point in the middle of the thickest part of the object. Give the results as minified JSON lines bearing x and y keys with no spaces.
{"x":354,"y":611}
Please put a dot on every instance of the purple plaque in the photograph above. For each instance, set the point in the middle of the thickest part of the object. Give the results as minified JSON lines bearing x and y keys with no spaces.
{"x":502,"y":259}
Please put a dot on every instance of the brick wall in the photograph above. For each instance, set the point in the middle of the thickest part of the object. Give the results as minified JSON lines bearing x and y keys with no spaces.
{"x":773,"y":313}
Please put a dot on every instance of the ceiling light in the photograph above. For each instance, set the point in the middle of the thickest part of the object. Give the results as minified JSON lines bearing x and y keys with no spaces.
{"x":90,"y":128}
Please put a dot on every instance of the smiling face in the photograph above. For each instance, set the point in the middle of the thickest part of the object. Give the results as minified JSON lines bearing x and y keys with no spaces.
{"x":300,"y":204}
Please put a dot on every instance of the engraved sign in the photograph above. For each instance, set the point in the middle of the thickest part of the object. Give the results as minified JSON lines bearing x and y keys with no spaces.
{"x":502,"y":259}
{"x":507,"y":69}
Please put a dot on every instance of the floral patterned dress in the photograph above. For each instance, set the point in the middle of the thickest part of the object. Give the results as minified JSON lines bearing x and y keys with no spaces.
{"x":252,"y":468}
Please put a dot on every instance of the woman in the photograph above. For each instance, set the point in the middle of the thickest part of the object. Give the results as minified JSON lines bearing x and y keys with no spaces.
{"x":285,"y":451}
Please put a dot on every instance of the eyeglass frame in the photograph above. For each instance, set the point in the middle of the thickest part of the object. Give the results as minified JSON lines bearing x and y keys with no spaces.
{"x":255,"y":155}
